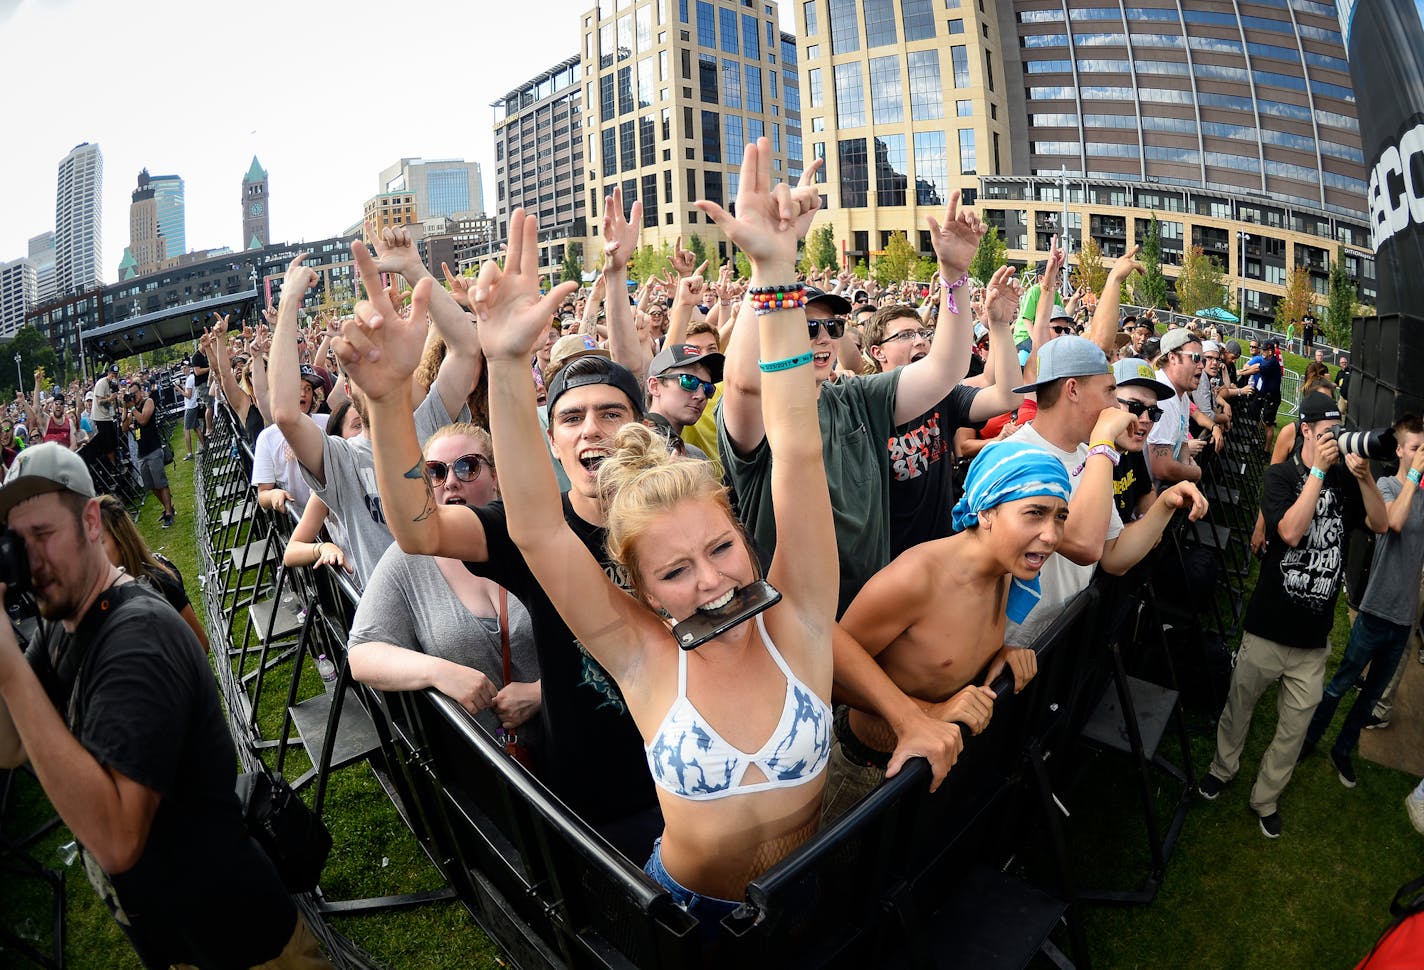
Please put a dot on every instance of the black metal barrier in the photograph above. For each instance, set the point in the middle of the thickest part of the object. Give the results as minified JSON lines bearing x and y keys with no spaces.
{"x":902,"y":879}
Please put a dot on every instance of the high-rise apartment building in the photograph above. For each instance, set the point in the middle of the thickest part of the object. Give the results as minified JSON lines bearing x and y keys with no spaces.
{"x":145,"y":243}
{"x":441,"y":187}
{"x":672,"y":92}
{"x":390,"y":209}
{"x":42,"y":257}
{"x":18,"y":292}
{"x":172,"y":216}
{"x":78,"y":220}
{"x":256,"y":219}
{"x":1237,"y":116}
{"x":539,"y":158}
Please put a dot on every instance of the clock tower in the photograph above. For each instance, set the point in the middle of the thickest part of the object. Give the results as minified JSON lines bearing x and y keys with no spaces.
{"x":255,"y":226}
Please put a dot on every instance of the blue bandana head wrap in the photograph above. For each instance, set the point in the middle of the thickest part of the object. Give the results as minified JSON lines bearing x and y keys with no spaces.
{"x":1006,"y":471}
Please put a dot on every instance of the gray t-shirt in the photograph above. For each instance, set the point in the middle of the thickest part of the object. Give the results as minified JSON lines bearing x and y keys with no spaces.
{"x":408,"y":603}
{"x":431,"y":415}
{"x":1393,"y":592}
{"x":351,"y":494}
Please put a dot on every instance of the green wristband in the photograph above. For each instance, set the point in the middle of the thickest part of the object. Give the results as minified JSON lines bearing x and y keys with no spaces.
{"x":1318,"y":473}
{"x":1413,"y":475}
{"x":786,"y":363}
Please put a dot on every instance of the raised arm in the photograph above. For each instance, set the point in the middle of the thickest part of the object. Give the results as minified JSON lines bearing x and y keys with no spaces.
{"x":684,"y":301}
{"x":767,"y":227}
{"x":620,"y":238}
{"x":302,"y":434}
{"x":217,"y":353}
{"x":741,"y":403}
{"x":1001,"y":308}
{"x":924,"y":383}
{"x":259,"y":348}
{"x":596,"y":297}
{"x":1104,"y":327}
{"x":380,"y":350}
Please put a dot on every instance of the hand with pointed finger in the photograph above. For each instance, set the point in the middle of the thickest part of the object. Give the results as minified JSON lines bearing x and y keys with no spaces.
{"x":620,"y":232}
{"x":1185,"y":495}
{"x":683,"y":259}
{"x":513,"y":316}
{"x":765,"y":226}
{"x":1127,"y":263}
{"x":807,"y":197}
{"x":956,"y":240}
{"x":296,"y":282}
{"x":381,"y":348}
{"x":269,"y":314}
{"x":459,"y":286}
{"x":1001,"y":303}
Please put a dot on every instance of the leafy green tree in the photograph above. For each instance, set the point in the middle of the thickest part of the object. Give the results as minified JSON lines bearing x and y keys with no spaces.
{"x":924,"y":268}
{"x":894,"y":264}
{"x":1340,"y":308}
{"x":743,"y":265}
{"x":1199,"y":285}
{"x":821,"y":248}
{"x":1152,"y":292}
{"x":573,"y":262}
{"x":1291,"y":307}
{"x":988,"y":257}
{"x":648,"y":262}
{"x":860,"y":269}
{"x":1092,"y":273}
{"x":35,"y":352}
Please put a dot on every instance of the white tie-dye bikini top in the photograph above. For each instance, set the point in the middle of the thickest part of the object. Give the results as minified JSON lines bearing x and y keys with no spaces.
{"x":690,"y":759}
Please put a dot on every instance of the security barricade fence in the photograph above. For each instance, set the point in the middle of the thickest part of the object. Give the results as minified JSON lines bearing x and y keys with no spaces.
{"x":985,"y":868}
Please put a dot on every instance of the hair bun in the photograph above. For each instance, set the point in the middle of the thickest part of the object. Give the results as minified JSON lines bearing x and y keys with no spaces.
{"x":636,"y":449}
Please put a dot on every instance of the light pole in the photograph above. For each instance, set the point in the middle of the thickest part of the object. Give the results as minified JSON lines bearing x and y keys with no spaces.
{"x":19,"y":375}
{"x":1245,"y":237}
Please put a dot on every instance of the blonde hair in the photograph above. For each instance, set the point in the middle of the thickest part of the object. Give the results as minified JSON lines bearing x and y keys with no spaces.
{"x":641,"y":481}
{"x":464,"y":429}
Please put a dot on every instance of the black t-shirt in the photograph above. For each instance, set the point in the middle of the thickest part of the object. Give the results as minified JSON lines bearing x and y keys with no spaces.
{"x":922,"y":471}
{"x":149,"y":440}
{"x":199,"y":359}
{"x":168,"y":583}
{"x":202,"y":892}
{"x":593,"y":753}
{"x":1294,"y":599}
{"x":253,"y":424}
{"x":1131,"y":481}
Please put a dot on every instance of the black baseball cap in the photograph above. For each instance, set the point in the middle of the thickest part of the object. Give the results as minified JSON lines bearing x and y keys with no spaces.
{"x":1318,"y":406}
{"x":837,"y":304}
{"x":681,"y":355}
{"x":583,"y":371}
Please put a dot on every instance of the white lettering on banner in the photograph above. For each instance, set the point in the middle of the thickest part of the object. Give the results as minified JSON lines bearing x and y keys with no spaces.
{"x":1396,"y":190}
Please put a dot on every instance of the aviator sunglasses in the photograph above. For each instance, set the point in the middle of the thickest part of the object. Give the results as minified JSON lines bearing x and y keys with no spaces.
{"x":690,"y":383}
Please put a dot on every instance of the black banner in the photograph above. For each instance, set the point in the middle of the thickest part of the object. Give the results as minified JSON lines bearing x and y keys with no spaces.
{"x":1385,"y":42}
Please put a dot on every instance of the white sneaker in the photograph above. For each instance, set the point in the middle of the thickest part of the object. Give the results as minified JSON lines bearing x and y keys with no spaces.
{"x":1414,"y":805}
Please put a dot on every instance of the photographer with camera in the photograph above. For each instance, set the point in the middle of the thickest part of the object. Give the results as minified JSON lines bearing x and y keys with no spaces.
{"x":140,"y":413}
{"x":115,"y":707}
{"x":1310,"y":506}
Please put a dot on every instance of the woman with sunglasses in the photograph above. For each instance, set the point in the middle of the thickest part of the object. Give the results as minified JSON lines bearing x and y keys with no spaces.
{"x":427,"y":621}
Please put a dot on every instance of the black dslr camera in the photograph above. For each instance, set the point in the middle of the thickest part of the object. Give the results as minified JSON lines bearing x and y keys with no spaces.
{"x":1377,"y":444}
{"x":130,"y":398}
{"x":14,"y":563}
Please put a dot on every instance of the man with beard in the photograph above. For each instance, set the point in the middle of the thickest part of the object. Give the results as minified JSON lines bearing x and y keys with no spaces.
{"x":1171,"y":448}
{"x":115,"y":707}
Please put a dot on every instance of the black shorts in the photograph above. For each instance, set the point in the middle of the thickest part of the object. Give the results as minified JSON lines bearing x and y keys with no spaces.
{"x":1270,"y":407}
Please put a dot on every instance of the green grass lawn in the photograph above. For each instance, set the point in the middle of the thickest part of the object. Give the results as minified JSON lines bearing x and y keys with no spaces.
{"x":1317,"y":897}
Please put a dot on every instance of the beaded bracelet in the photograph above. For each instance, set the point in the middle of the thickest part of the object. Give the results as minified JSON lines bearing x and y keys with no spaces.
{"x":786,"y":363}
{"x":766,"y":299}
{"x":949,"y":292}
{"x":1413,"y":475}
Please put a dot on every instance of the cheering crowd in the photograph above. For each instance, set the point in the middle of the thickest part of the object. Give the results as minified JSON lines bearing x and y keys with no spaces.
{"x":716,"y":560}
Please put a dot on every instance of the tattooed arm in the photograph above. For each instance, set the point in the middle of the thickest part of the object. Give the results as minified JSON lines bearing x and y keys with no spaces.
{"x":1167,"y":469}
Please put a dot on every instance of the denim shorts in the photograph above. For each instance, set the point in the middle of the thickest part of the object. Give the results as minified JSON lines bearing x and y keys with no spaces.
{"x":708,"y":910}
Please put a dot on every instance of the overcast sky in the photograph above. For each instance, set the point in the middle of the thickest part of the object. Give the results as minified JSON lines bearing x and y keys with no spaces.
{"x":326,"y":94}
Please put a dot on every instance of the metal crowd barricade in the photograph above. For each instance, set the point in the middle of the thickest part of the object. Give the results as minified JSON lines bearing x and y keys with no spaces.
{"x":898,"y":880}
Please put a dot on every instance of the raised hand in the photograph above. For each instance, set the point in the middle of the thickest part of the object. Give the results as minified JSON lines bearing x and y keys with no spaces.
{"x":459,"y":286}
{"x":684,"y":259}
{"x":381,"y":348}
{"x":768,"y":217}
{"x":807,"y":197}
{"x":512,"y":315}
{"x":295,"y":283}
{"x":956,"y":241}
{"x":396,"y":252}
{"x":1126,"y":264}
{"x":620,"y":233}
{"x":690,"y":288}
{"x":269,"y":314}
{"x":1051,"y":270}
{"x":1001,"y":297}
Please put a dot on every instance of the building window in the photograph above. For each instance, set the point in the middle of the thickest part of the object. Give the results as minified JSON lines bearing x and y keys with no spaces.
{"x":711,"y":140}
{"x":813,"y":79}
{"x":845,"y":28}
{"x":753,"y":87}
{"x":691,"y":185}
{"x":751,"y":38}
{"x":926,"y":94}
{"x":605,"y":96}
{"x":625,"y":38}
{"x":850,"y":97}
{"x":931,"y":169}
{"x":879,"y":23}
{"x":706,"y":26}
{"x":647,"y":141}
{"x":887,"y":102}
{"x":735,"y":143}
{"x":650,"y":200}
{"x":667,"y":186}
{"x":645,"y":82}
{"x":891,"y":170}
{"x":625,"y":90}
{"x":967,"y":163}
{"x":627,"y":147}
{"x":605,"y":46}
{"x":957,"y":27}
{"x":707,"y":78}
{"x":731,"y":84}
{"x":713,"y":182}
{"x":855,"y":174}
{"x":813,"y":24}
{"x":964,"y":109}
{"x":959,"y":57}
{"x":667,"y":124}
{"x":728,"y":28}
{"x":645,"y":28}
{"x":918,"y":19}
{"x":663,"y":66}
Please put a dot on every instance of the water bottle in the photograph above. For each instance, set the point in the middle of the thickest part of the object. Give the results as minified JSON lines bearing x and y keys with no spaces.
{"x":327,"y":669}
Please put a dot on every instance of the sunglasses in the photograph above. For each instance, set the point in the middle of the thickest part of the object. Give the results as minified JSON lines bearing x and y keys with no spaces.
{"x":925,"y":334}
{"x":1064,"y":331}
{"x":1137,"y":409}
{"x":835,"y":327}
{"x":691,"y":382}
{"x":1194,"y":358}
{"x":466,"y":468}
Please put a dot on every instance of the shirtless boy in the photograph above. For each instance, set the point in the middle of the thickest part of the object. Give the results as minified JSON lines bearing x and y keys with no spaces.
{"x":933,"y":620}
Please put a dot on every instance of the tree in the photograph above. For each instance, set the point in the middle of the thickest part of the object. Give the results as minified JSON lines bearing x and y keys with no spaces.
{"x":1291,"y":307}
{"x":743,"y":265}
{"x":860,"y":269}
{"x":894,"y":264}
{"x":988,"y":257}
{"x":35,"y":352}
{"x":573,"y":262}
{"x":1092,"y":274}
{"x":1199,"y":285}
{"x":924,"y":268}
{"x":1340,"y":309}
{"x":1152,"y":291}
{"x":648,"y":262}
{"x":821,"y":249}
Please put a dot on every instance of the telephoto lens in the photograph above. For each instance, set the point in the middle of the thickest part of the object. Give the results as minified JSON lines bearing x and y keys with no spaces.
{"x":1378,"y":444}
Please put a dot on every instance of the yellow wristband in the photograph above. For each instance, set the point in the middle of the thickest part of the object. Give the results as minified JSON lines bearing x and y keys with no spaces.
{"x":1107,"y":444}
